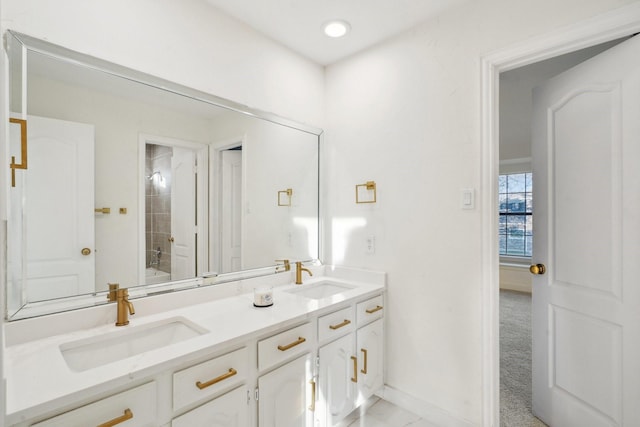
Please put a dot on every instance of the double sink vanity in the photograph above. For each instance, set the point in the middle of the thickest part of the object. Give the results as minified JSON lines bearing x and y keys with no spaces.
{"x":215,"y":359}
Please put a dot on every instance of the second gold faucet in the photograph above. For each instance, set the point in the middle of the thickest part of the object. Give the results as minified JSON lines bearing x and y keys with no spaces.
{"x":125,"y":307}
{"x":299,"y":270}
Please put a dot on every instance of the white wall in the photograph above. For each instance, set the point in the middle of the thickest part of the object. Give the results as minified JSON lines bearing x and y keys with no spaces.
{"x":186,"y":41}
{"x":406,"y":114}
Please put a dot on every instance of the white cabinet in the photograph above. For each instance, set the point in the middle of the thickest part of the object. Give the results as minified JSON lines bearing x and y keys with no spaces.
{"x":337,"y":376}
{"x":229,"y":410}
{"x":370,"y":346}
{"x":287,"y":395}
{"x":133,"y":408}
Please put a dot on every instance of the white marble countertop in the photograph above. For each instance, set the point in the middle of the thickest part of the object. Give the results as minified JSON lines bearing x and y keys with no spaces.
{"x":39,"y":380}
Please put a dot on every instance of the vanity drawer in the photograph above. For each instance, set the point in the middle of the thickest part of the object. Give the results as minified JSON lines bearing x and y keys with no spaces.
{"x":136,"y":407}
{"x":336,"y":324}
{"x":230,"y":407}
{"x":369,"y":310}
{"x":284,"y":345}
{"x":208,"y":378}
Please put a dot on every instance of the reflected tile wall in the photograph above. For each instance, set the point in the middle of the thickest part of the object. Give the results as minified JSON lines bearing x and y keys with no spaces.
{"x":158,"y":207}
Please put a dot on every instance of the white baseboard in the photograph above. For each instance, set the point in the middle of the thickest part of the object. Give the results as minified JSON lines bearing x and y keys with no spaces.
{"x":424,"y":410}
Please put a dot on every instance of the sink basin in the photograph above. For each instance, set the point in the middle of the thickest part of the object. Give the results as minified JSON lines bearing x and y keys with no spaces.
{"x":320,"y":290}
{"x":99,"y":350}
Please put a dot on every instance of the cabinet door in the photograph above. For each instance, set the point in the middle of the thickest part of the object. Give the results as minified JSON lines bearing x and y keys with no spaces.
{"x":229,"y":410}
{"x":285,"y":395}
{"x":370,"y":349}
{"x":337,"y":380}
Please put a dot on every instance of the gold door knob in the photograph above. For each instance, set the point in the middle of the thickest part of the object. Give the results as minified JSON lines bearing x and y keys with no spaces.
{"x":85,"y":251}
{"x":171,"y":239}
{"x":538,"y":269}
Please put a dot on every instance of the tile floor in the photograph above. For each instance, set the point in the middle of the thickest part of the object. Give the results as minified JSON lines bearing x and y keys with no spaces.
{"x":380,"y":413}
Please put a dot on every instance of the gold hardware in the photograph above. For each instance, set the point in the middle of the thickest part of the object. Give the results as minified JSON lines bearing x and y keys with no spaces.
{"x":127,"y":416}
{"x":216,"y":380}
{"x":287,"y":265}
{"x":300,"y":340}
{"x":285,"y":201}
{"x":103,"y":210}
{"x":538,"y":269}
{"x":369,"y":186}
{"x":113,"y":287}
{"x":364,"y":370}
{"x":125,"y":307}
{"x":299,"y":270}
{"x":23,"y":150}
{"x":171,"y":239}
{"x":354,"y":379}
{"x":123,"y":211}
{"x":85,"y":251}
{"x":313,"y":395}
{"x":340,"y":325}
{"x":373,"y":310}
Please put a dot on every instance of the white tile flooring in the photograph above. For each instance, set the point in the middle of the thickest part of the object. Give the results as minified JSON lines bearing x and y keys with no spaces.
{"x":380,"y":413}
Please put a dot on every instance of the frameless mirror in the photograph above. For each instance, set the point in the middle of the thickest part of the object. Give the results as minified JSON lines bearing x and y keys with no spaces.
{"x":134,"y":180}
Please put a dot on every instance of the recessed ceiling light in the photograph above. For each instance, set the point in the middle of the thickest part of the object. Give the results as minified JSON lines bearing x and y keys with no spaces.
{"x":336,"y":29}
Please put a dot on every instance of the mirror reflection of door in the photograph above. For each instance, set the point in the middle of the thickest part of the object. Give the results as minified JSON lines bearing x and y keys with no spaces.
{"x":58,"y":222}
{"x":170,"y":213}
{"x":231,"y":198}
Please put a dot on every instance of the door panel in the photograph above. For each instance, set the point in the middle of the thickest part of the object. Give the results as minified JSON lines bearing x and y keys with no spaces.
{"x":586,"y":308}
{"x":183,"y":214}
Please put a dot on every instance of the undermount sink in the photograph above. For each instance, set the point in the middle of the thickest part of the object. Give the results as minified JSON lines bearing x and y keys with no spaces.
{"x":99,"y":350}
{"x":320,"y":290}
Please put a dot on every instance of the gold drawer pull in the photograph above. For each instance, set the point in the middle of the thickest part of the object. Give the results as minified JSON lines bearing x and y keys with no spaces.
{"x":373,"y":310}
{"x":355,"y":369}
{"x":364,"y":370}
{"x":300,"y":340}
{"x":313,"y":395}
{"x":127,"y":416}
{"x":216,"y":380}
{"x":340,"y":325}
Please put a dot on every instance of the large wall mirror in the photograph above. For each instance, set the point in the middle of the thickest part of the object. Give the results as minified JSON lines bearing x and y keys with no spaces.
{"x":134,"y":180}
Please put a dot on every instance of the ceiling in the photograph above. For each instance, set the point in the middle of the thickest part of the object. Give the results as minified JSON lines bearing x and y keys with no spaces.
{"x":298,"y":24}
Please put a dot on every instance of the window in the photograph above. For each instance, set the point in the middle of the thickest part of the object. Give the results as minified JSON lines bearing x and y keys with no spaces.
{"x":516,"y":226}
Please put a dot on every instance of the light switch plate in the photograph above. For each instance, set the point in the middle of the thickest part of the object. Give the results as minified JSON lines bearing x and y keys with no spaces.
{"x":467,"y":198}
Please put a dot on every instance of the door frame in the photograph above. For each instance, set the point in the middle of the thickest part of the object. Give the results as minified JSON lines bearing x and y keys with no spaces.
{"x":202,"y":212}
{"x":618,"y":23}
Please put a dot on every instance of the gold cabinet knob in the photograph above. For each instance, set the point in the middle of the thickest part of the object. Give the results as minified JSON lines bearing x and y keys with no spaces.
{"x":538,"y":269}
{"x":85,"y":251}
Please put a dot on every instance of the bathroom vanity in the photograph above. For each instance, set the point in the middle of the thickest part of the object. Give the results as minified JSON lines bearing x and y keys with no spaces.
{"x":308,"y":360}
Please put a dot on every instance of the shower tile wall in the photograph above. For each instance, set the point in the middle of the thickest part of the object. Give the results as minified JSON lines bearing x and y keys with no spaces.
{"x":158,"y":207}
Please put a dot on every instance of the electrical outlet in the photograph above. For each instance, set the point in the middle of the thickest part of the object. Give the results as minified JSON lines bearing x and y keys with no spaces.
{"x":371,"y":244}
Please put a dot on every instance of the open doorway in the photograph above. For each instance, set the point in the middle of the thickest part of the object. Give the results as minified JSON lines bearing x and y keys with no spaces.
{"x":515,"y":114}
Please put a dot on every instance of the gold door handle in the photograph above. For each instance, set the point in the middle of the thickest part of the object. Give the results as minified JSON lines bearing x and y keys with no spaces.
{"x":127,"y":416}
{"x":216,"y":380}
{"x":85,"y":251}
{"x":340,"y":325}
{"x":364,"y":352}
{"x":23,"y":150}
{"x":313,"y":396}
{"x":373,"y":310}
{"x":171,"y":239}
{"x":354,"y":379}
{"x":538,"y":269}
{"x":300,"y":340}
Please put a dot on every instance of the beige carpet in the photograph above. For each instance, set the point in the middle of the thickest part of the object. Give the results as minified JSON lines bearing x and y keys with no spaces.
{"x":515,"y":361}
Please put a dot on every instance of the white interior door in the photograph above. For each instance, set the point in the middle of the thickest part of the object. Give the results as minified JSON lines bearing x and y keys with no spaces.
{"x":230,"y":233}
{"x":183,"y":213}
{"x":586,"y":308}
{"x":59,"y":209}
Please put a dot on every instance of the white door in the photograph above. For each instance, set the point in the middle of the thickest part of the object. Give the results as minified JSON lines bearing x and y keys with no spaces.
{"x":231,"y":210}
{"x":183,"y":214}
{"x":586,"y":307}
{"x":335,"y":375}
{"x":370,"y":348}
{"x":59,"y":209}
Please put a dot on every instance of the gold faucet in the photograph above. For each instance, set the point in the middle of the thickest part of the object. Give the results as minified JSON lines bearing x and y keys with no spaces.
{"x":125,"y":307}
{"x":299,"y":270}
